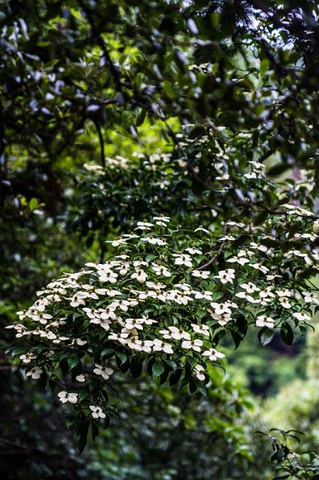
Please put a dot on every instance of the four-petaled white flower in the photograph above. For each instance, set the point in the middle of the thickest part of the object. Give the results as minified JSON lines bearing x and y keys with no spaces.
{"x":246,"y":296}
{"x":192,"y":344}
{"x":97,"y":412}
{"x":154,"y":241}
{"x":200,"y":274}
{"x":284,"y":302}
{"x":104,"y":372}
{"x":35,"y":373}
{"x":28,"y":357}
{"x":249,"y":287}
{"x":108,"y":276}
{"x":199,"y":372}
{"x":159,"y":346}
{"x":193,"y":251}
{"x":162,"y":221}
{"x":144,"y":226}
{"x":201,"y":329}
{"x":226,"y":276}
{"x":161,"y":270}
{"x":183,"y":259}
{"x":80,"y":378}
{"x":264,"y":321}
{"x":302,"y":316}
{"x":65,"y":397}
{"x":213,"y":354}
{"x":311,"y":297}
{"x":175,"y":333}
{"x":139,"y":275}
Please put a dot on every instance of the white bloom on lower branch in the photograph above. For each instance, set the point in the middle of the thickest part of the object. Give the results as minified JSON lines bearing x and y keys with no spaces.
{"x":35,"y":373}
{"x":213,"y":354}
{"x":192,"y":344}
{"x":226,"y":276}
{"x":97,"y":412}
{"x":264,"y":321}
{"x":104,"y":372}
{"x":199,"y":372}
{"x":65,"y":397}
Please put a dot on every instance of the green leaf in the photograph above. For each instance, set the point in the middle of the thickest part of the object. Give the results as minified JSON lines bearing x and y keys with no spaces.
{"x":140,"y":118}
{"x":264,"y":66}
{"x":136,"y":367}
{"x":192,"y":386}
{"x":157,"y":369}
{"x":82,"y":434}
{"x":175,"y":376}
{"x":33,"y":204}
{"x":287,"y":334}
{"x":265,"y":336}
{"x":73,"y":362}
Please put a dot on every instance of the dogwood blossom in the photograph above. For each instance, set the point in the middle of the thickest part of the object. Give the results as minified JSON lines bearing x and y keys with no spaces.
{"x":264,"y":321}
{"x":35,"y":373}
{"x":65,"y":397}
{"x":226,"y":276}
{"x":97,"y":412}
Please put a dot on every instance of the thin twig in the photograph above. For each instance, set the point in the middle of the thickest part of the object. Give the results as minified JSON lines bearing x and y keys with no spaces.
{"x":213,"y":259}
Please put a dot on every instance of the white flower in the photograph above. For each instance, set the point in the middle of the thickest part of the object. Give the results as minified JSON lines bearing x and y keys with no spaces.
{"x":175,"y":333}
{"x":201,"y":329}
{"x":161,"y":270}
{"x":154,"y":241}
{"x":144,"y":226}
{"x":80,"y":378}
{"x":222,"y":319}
{"x":117,"y":242}
{"x":200,"y":274}
{"x":161,"y":220}
{"x":97,"y":412}
{"x":35,"y":373}
{"x":201,"y":229}
{"x":192,"y":344}
{"x":284,"y":301}
{"x":284,"y":293}
{"x":105,"y":372}
{"x":28,"y":357}
{"x":193,"y":251}
{"x":203,"y":295}
{"x":247,"y":297}
{"x":183,"y":259}
{"x":199,"y":372}
{"x":258,"y":266}
{"x":108,"y":276}
{"x":132,"y":323}
{"x":68,"y":397}
{"x":264,"y":321}
{"x":213,"y":354}
{"x":301,"y":316}
{"x":249,"y":287}
{"x":226,"y":276}
{"x":265,"y":296}
{"x":221,"y":308}
{"x":159,"y":346}
{"x":311,"y":297}
{"x":237,"y":259}
{"x":155,"y":286}
{"x":139,"y":275}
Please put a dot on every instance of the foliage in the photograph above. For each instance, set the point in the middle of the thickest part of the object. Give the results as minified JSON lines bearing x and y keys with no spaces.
{"x":290,"y":463}
{"x":115,"y":112}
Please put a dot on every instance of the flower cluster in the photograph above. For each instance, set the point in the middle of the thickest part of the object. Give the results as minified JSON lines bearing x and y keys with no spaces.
{"x":158,"y":301}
